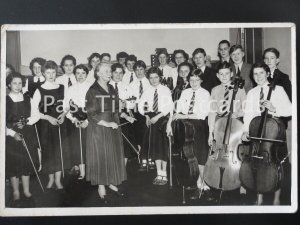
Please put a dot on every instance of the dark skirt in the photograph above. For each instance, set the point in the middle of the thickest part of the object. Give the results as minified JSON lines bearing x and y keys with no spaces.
{"x":17,"y":161}
{"x":105,"y":162}
{"x":127,"y":130}
{"x":75,"y":145}
{"x":139,"y":128}
{"x":199,"y":140}
{"x":51,"y":152}
{"x":157,"y":148}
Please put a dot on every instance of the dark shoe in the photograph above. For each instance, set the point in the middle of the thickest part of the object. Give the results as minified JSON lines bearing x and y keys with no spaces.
{"x":243,"y":199}
{"x":195,"y":195}
{"x":104,"y":199}
{"x":208,"y":196}
{"x":16,"y":203}
{"x":29,"y":202}
{"x":152,"y":165}
{"x":118,"y":193}
{"x":143,"y":167}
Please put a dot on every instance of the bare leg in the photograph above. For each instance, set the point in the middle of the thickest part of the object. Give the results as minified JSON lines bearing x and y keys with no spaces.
{"x":15,"y":186}
{"x":126,"y":159}
{"x":51,"y":180}
{"x":101,"y":191}
{"x":25,"y":183}
{"x":57,"y":180}
{"x":164,"y":165}
{"x":276,"y":200}
{"x":200,"y":181}
{"x":260,"y":199}
{"x":158,"y":163}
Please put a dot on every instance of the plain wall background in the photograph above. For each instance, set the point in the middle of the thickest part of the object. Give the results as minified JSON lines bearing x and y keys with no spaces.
{"x":55,"y":44}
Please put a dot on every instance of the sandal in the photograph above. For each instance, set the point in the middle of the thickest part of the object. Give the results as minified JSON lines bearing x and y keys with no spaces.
{"x":157,"y":180}
{"x":163,"y":181}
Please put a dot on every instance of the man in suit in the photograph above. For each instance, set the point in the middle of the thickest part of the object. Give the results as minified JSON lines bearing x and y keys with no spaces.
{"x":223,"y":53}
{"x":240,"y":67}
{"x":209,"y":77}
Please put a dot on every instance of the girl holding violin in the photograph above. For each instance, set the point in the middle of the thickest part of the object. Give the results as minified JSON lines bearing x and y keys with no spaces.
{"x":159,"y":105}
{"x":75,"y":103}
{"x":278,"y":105}
{"x":193,"y":106}
{"x":19,"y":120}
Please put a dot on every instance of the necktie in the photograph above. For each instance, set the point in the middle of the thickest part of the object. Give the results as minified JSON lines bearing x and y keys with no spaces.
{"x":141,"y":88}
{"x":261,"y":96}
{"x":238,"y":74}
{"x":69,"y":82}
{"x":131,"y":78}
{"x":116,"y":89}
{"x":38,"y":82}
{"x":155,"y":102}
{"x":225,"y":102}
{"x":192,"y":103}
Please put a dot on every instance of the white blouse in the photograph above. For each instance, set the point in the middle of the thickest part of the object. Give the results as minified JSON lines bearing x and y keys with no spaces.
{"x":127,"y":76}
{"x":76,"y":93}
{"x":90,"y":77}
{"x":201,"y":105}
{"x":279,"y":100}
{"x":165,"y":102}
{"x":135,"y":87}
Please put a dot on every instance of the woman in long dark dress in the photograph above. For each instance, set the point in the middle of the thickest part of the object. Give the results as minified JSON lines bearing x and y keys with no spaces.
{"x":48,"y":100}
{"x":105,"y":164}
{"x":18,"y":108}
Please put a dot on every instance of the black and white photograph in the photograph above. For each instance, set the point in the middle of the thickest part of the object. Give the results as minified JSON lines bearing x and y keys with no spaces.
{"x":133,"y":119}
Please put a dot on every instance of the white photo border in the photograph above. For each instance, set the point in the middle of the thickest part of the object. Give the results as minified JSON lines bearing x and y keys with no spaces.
{"x":76,"y":211}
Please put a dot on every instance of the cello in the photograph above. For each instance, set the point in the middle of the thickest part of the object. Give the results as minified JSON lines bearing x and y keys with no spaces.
{"x":261,"y":169}
{"x":222,"y":167}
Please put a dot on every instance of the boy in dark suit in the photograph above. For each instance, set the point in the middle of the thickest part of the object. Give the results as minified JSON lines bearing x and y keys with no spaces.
{"x":240,"y":67}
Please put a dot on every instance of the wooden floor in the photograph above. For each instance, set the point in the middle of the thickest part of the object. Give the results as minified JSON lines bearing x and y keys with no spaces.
{"x":139,"y":192}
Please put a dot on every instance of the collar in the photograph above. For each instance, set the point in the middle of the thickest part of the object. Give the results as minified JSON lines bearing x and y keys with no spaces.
{"x":42,"y":78}
{"x":202,"y":68}
{"x":239,"y":65}
{"x":16,"y":97}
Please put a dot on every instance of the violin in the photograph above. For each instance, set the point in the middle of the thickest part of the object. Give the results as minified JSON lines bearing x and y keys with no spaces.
{"x":261,"y":169}
{"x":222,"y":167}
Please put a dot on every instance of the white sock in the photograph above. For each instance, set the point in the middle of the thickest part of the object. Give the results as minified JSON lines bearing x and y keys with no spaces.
{"x":164,"y":173}
{"x":159,"y":173}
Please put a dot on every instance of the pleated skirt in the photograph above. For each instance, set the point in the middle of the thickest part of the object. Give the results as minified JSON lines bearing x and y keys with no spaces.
{"x":105,"y":162}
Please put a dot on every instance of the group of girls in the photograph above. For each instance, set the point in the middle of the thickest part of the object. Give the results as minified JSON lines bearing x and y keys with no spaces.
{"x":92,"y":120}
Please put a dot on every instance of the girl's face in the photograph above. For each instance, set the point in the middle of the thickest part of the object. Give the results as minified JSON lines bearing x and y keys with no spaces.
{"x":199,"y":59}
{"x":179,"y":58}
{"x":154,"y":79}
{"x":140,"y":72}
{"x":104,"y":73}
{"x":195,"y":82}
{"x":16,"y":85}
{"x":37,"y":69}
{"x":105,"y":59}
{"x":162,"y":58}
{"x":271,"y":60}
{"x":80,"y":75}
{"x":122,"y":61}
{"x":117,"y":75}
{"x":224,"y":75}
{"x":184,"y":72}
{"x":50,"y":75}
{"x":260,"y":76}
{"x":94,"y":62}
{"x":68,"y":66}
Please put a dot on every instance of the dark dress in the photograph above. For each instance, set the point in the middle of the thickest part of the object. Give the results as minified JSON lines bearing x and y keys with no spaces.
{"x":105,"y":162}
{"x":49,"y":134}
{"x":157,"y":148}
{"x":32,"y":86}
{"x":74,"y":137}
{"x":210,"y":79}
{"x":17,"y":160}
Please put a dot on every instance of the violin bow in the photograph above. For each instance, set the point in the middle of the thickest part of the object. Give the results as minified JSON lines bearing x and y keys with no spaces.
{"x":30,"y":158}
{"x":136,"y":151}
{"x":61,"y":153}
{"x":38,"y":139}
